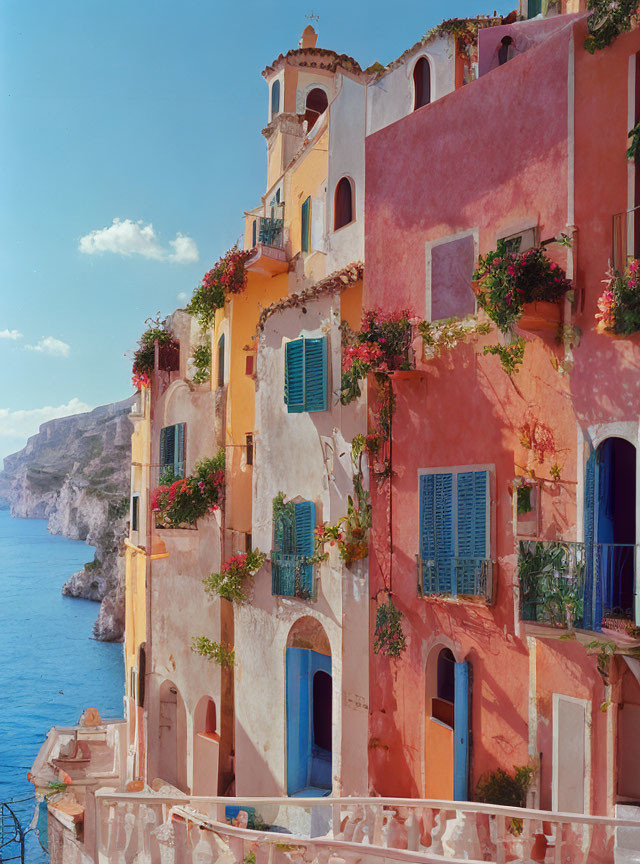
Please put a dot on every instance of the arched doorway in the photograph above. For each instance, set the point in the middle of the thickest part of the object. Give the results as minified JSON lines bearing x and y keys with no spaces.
{"x":446,"y":740}
{"x":206,"y":748}
{"x":172,"y":762}
{"x":309,"y":707}
{"x":610,"y":534}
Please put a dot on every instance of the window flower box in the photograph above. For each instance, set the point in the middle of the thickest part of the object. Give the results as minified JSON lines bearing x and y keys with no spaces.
{"x":541,"y":316}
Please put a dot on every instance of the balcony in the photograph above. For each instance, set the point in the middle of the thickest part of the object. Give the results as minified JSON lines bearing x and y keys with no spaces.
{"x":270,"y":257}
{"x":292,"y":576}
{"x":271,"y":232}
{"x":456,"y":577}
{"x":626,"y":238}
{"x":575,"y":585}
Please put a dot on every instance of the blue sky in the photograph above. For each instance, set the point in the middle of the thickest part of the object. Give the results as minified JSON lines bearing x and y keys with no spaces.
{"x":147,"y":112}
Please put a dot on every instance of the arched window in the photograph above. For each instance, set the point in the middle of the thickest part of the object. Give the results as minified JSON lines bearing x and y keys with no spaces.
{"x":421,"y":83}
{"x":316,"y":105}
{"x":275,"y":99}
{"x":210,"y":723}
{"x":343,"y":204}
{"x":506,"y":50}
{"x":221,"y":361}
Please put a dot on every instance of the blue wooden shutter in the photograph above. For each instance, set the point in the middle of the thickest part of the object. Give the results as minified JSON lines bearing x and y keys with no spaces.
{"x":305,"y":524}
{"x":294,"y":376}
{"x":437,"y":547}
{"x":461,"y":732}
{"x":472,"y":528}
{"x":315,"y":374}
{"x":178,"y":451}
{"x":298,"y":707}
{"x":306,"y":225}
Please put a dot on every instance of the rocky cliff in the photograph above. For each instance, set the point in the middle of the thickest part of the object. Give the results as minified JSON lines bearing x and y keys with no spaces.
{"x":76,"y":474}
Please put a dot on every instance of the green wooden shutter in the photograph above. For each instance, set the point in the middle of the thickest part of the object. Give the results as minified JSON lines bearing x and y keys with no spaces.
{"x":306,"y":226}
{"x":305,"y":514}
{"x":163,"y":447}
{"x":534,"y":7}
{"x":315,"y":374}
{"x":178,"y":450}
{"x":472,"y":529}
{"x":168,"y":447}
{"x":294,"y":376}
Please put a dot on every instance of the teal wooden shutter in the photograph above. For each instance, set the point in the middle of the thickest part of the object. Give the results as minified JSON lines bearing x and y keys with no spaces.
{"x":306,"y":225}
{"x":305,"y":517}
{"x":294,"y":376}
{"x":534,"y":7}
{"x":472,"y":529}
{"x":461,"y":732}
{"x":168,"y":447}
{"x":178,"y":451}
{"x":315,"y":374}
{"x":437,"y":546}
{"x":163,"y":447}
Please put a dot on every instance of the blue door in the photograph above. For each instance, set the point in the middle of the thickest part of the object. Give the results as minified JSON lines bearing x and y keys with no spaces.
{"x":461,"y":733}
{"x":309,"y":722}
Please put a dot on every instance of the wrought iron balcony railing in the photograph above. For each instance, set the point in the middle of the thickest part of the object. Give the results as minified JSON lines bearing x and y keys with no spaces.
{"x":271,"y":231}
{"x":566,"y":584}
{"x":456,"y":577}
{"x":292,"y":576}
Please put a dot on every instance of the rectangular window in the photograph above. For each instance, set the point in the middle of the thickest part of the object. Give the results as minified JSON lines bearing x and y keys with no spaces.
{"x":248,"y":542}
{"x":521,"y":241}
{"x":135,"y":512}
{"x":305,"y":239}
{"x":172,"y":449}
{"x":449,"y":267}
{"x":305,"y":375}
{"x":454,"y":533}
{"x":293,"y":542}
{"x":249,"y":443}
{"x":221,"y":361}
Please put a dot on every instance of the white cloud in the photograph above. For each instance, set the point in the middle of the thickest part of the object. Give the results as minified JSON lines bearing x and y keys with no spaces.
{"x":23,"y":423}
{"x":126,"y":237}
{"x":10,"y":334}
{"x":50,"y":345}
{"x":182,"y":297}
{"x":185,"y":250}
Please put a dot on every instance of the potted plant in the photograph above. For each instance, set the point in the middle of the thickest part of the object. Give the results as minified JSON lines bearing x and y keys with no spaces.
{"x":618,"y":314}
{"x":523,"y":288}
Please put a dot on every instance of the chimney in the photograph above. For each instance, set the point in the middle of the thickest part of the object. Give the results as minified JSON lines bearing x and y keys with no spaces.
{"x":309,"y":37}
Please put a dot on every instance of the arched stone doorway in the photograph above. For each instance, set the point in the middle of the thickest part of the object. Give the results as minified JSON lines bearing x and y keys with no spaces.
{"x":206,"y":748}
{"x":446,"y":738}
{"x":172,"y":762}
{"x":610,"y":534}
{"x":309,"y":709}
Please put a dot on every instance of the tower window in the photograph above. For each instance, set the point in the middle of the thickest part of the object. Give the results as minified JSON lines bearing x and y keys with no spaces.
{"x":315,"y":106}
{"x":343,"y":205}
{"x":275,"y":99}
{"x":506,"y":50}
{"x":421,"y":83}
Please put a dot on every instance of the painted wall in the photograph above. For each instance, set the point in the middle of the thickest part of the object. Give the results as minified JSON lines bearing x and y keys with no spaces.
{"x":494,"y":157}
{"x":391,"y":97}
{"x":305,"y":455}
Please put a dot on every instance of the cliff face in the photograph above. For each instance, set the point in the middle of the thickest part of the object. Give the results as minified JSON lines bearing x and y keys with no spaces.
{"x":76,"y":474}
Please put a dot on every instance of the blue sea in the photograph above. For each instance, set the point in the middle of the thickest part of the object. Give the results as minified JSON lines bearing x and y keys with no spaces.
{"x":50,"y":666}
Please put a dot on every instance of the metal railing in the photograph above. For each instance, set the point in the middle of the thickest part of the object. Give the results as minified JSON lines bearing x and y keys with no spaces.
{"x":456,"y":577}
{"x":567,"y":584}
{"x":292,"y":576}
{"x":271,"y":231}
{"x":11,"y":835}
{"x":626,"y":238}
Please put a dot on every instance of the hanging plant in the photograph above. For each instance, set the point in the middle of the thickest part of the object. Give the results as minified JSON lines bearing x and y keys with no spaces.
{"x":634,"y":147}
{"x":389,"y":637}
{"x":439,"y":336}
{"x":619,"y":304}
{"x":145,"y":354}
{"x":506,"y":281}
{"x":183,"y":500}
{"x":608,"y":20}
{"x":202,"y":363}
{"x":228,"y":276}
{"x":220,"y":653}
{"x":511,"y":355}
{"x":232,"y":581}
